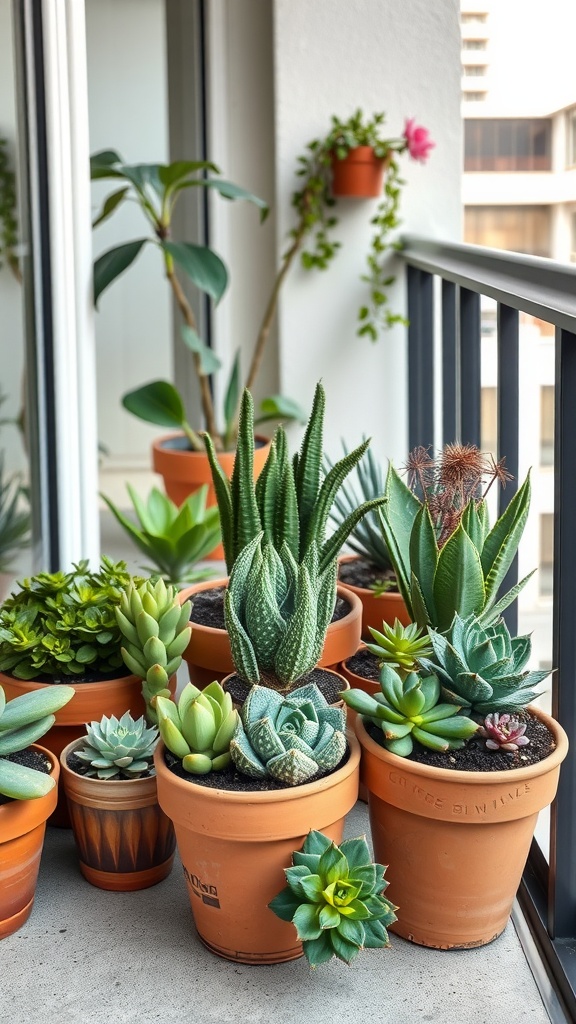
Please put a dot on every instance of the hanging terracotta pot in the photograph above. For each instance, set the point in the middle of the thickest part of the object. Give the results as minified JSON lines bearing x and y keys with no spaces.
{"x":456,"y":841}
{"x":360,"y":174}
{"x":184,"y":471}
{"x":376,"y":610}
{"x":209,"y":657}
{"x":89,"y":703}
{"x":124,"y":841}
{"x":22,"y":828}
{"x":235,"y":845}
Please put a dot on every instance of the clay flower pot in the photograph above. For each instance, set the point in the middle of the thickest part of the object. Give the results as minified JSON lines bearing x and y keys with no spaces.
{"x":235,"y":845}
{"x":124,"y":840}
{"x":376,"y":610}
{"x":456,"y":841}
{"x":89,"y":703}
{"x":209,"y":657}
{"x":22,"y":828}
{"x":360,"y":174}
{"x":341,"y":682}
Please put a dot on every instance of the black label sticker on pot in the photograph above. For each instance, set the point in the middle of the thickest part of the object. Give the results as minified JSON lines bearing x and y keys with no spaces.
{"x":207,"y":893}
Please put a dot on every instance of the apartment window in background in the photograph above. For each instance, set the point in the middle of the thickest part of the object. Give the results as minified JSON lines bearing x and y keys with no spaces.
{"x":489,"y":421}
{"x":474,"y":18}
{"x":508,"y":144}
{"x":473,"y":70}
{"x":547,"y":425}
{"x":473,"y":97}
{"x":571,"y":138}
{"x":546,"y":568}
{"x":474,"y":44}
{"x":516,"y":228}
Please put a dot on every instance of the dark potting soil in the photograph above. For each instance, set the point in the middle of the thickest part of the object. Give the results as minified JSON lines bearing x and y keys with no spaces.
{"x":361,"y":573}
{"x":90,"y":677}
{"x":330,"y":686}
{"x":208,"y":608}
{"x":475,"y":757}
{"x":181,"y":443}
{"x":364,"y":664}
{"x":30,"y":759}
{"x":80,"y":767}
{"x":231,"y":779}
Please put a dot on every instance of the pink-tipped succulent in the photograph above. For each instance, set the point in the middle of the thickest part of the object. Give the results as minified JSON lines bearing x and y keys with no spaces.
{"x":503,"y":732}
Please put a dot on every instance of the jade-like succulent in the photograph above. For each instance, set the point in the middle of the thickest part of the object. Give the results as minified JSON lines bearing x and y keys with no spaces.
{"x":199,"y":728}
{"x":62,"y":625}
{"x":445,"y":556}
{"x":407,"y":709}
{"x":277,"y":612}
{"x":400,"y":646}
{"x":23,"y":720}
{"x":334,"y":899}
{"x":291,"y":739}
{"x":483,"y":667}
{"x":503,"y":732}
{"x":156,"y":629}
{"x":118,"y":748}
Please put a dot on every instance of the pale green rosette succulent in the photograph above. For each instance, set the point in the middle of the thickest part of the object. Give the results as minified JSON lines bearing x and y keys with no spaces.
{"x":198,"y":729}
{"x":118,"y":748}
{"x":290,"y":739}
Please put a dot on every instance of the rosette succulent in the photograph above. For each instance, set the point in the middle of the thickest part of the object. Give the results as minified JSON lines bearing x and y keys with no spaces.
{"x":503,"y":732}
{"x":334,"y":899}
{"x":400,"y":646}
{"x":483,"y":667}
{"x":407,"y":709}
{"x":156,"y":630}
{"x":198,"y":729}
{"x":23,"y":720}
{"x":118,"y":748}
{"x":290,"y":739}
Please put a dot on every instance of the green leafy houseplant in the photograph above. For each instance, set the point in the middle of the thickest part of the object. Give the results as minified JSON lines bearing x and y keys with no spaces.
{"x":334,"y":897}
{"x":446,"y":557}
{"x":156,"y":188}
{"x":118,"y":748}
{"x":15,"y":520}
{"x":23,"y":721}
{"x":173,"y":537}
{"x":8,"y":218}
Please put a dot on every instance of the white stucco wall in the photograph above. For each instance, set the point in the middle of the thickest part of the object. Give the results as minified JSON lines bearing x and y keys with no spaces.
{"x":331,"y":57}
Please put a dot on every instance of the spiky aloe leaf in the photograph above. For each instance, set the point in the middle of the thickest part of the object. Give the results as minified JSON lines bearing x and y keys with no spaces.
{"x":308,"y":464}
{"x":423,"y":554}
{"x":297,"y":652}
{"x":459,"y":580}
{"x":242,"y":493}
{"x":502,"y":542}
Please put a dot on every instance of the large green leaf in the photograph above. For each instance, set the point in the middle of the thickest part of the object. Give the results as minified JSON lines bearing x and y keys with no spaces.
{"x":398,"y":517}
{"x":204,"y":268}
{"x":277,"y":407}
{"x":21,"y":783}
{"x":229,"y":190}
{"x":209,"y":361}
{"x":232,"y":396}
{"x":144,"y":177}
{"x":109,"y":205}
{"x":158,"y":402}
{"x":102,"y":164}
{"x":424,"y":556}
{"x":459,"y":580}
{"x":111,"y":264}
{"x":502,"y":542}
{"x":180,"y":170}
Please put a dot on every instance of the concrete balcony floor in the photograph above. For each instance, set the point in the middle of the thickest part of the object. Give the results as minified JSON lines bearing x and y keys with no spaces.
{"x":87,"y":956}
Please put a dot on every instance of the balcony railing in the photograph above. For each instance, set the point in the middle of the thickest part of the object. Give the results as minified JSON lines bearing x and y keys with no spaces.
{"x":445,"y":286}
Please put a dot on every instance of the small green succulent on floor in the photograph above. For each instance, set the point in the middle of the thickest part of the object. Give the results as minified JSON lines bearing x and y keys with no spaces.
{"x":483,"y":668}
{"x":289,"y":739}
{"x":174,"y":538}
{"x":407,"y":709}
{"x":400,"y":646}
{"x":199,"y":727}
{"x":446,"y":557}
{"x":291,"y":500}
{"x":23,"y":721}
{"x":63,"y":624}
{"x":156,"y":630}
{"x":118,"y":748}
{"x":334,"y":897}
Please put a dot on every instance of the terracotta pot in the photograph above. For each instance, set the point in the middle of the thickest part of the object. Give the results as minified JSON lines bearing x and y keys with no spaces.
{"x":22,"y":828}
{"x":124,"y":840}
{"x":89,"y":703}
{"x":356,"y":682}
{"x":456,"y":841}
{"x":184,"y":471}
{"x":376,"y":610}
{"x":209,"y":657}
{"x":343,"y":684}
{"x":234,"y":847}
{"x":360,"y":174}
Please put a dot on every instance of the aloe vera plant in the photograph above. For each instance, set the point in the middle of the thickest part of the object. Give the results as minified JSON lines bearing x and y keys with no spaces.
{"x":446,"y":557}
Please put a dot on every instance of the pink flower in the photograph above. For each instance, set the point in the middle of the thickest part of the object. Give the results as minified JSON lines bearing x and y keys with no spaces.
{"x":418,"y":140}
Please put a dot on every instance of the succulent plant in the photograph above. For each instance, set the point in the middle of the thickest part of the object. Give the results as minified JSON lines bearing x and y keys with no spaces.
{"x":445,"y":556}
{"x":199,"y":728}
{"x":291,"y":501}
{"x":156,"y":630}
{"x":400,"y":646}
{"x":290,"y":739}
{"x":407,"y":709}
{"x":23,"y":720}
{"x":64,"y":624}
{"x":15,"y":517}
{"x":172,"y":537}
{"x":366,"y":537}
{"x":503,"y":732}
{"x":483,"y":667}
{"x":119,"y":748}
{"x":277,"y":613}
{"x":334,"y":897}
